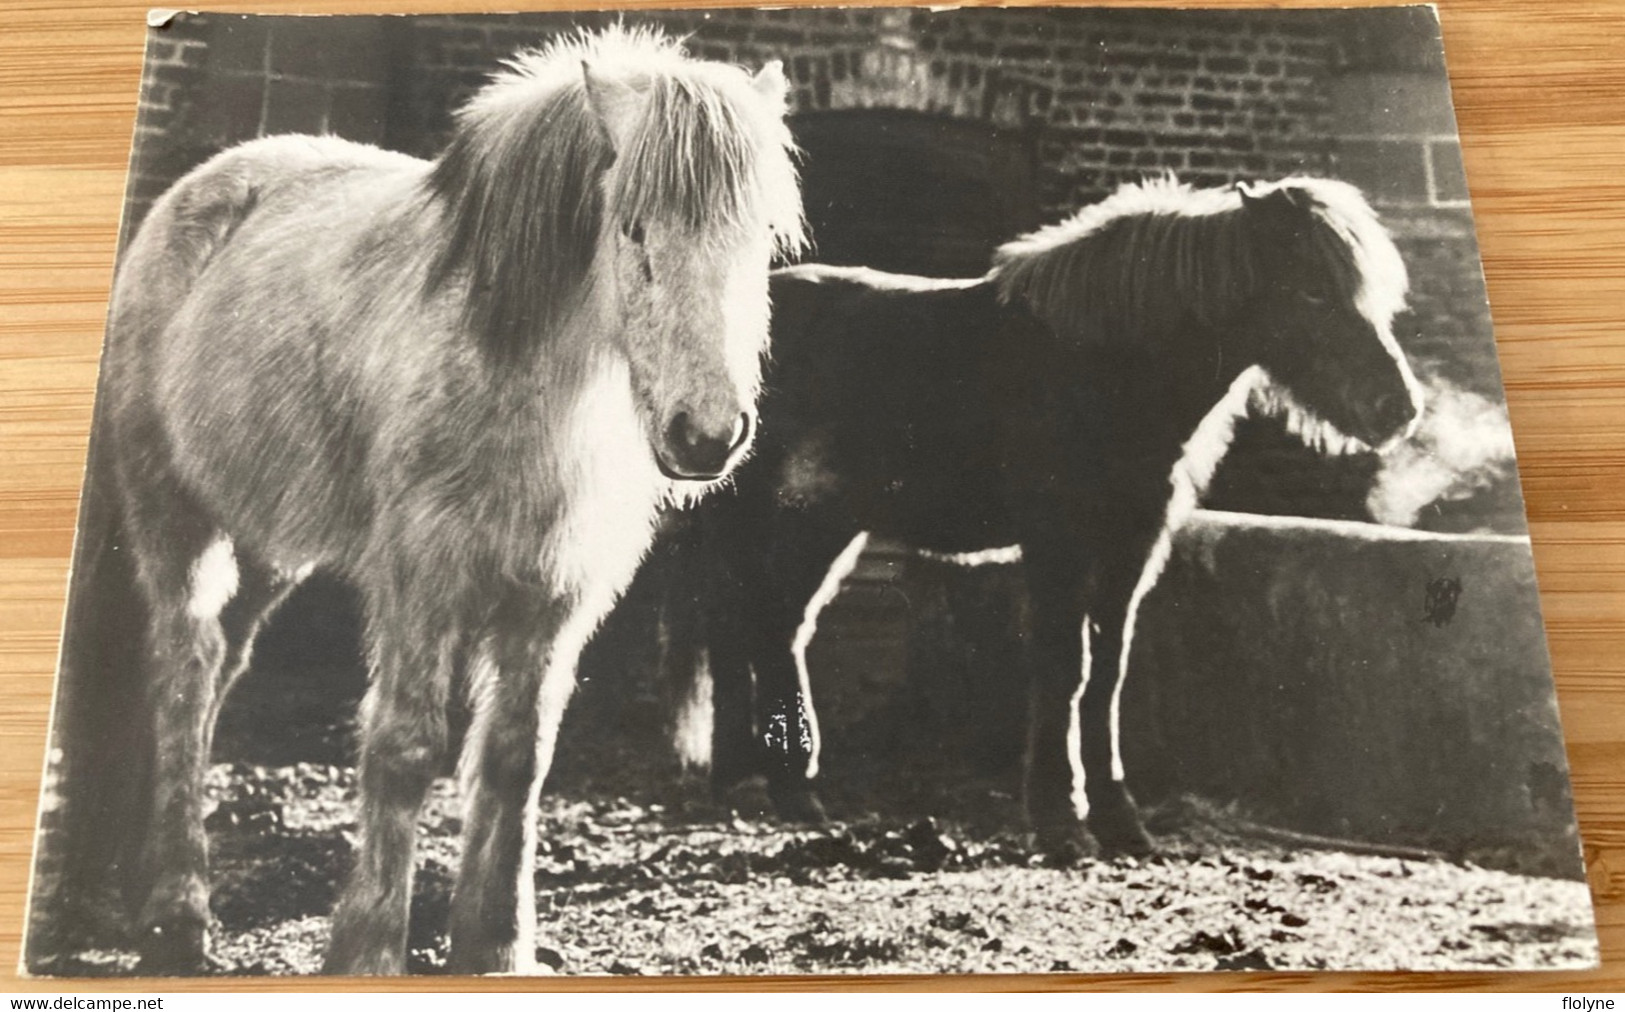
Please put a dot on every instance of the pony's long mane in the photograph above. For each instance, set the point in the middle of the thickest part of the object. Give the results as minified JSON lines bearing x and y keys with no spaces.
{"x":529,"y":176}
{"x":1135,"y":265}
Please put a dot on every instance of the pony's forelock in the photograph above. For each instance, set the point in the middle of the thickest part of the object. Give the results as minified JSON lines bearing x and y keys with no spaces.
{"x":530,"y":175}
{"x":1136,"y":262}
{"x":710,"y":163}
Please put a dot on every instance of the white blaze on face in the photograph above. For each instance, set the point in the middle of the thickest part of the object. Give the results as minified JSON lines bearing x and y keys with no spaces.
{"x":213,"y":581}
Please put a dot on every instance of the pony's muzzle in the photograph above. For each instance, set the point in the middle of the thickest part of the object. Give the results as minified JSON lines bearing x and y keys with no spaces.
{"x":1392,"y":417}
{"x":692,"y":452}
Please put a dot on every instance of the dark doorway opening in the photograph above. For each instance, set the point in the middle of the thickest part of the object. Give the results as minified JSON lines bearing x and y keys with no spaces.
{"x":914,"y":192}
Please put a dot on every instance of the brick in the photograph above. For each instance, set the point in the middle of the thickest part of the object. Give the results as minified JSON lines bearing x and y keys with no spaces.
{"x":1378,"y":104}
{"x":1162,"y":99}
{"x":357,"y":112}
{"x":1388,"y":171}
{"x":776,"y":35}
{"x":1027,"y":52}
{"x":295,"y":107}
{"x":1449,"y":176}
{"x":1176,"y":61}
{"x":1126,"y":138}
{"x":1211,"y":103}
{"x":237,"y":43}
{"x":228,"y":110}
{"x":330,"y":49}
{"x":1225,"y":64}
{"x":1180,"y":141}
{"x":1136,"y":61}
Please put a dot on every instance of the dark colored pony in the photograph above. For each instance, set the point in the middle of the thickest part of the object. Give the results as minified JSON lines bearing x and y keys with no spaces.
{"x":465,"y":386}
{"x":1074,"y":403}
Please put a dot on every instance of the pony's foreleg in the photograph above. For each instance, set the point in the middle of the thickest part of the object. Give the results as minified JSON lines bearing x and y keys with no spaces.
{"x":736,"y":752}
{"x":520,"y":689}
{"x":1057,"y":587}
{"x":1113,"y":818}
{"x":403,"y":739}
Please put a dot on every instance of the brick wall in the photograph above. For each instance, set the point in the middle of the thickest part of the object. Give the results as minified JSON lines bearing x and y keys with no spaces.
{"x":1097,"y":98}
{"x":1116,"y":94}
{"x":1112,"y":94}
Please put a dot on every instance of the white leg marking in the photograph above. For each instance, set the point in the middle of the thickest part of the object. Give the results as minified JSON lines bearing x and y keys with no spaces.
{"x":214,"y":581}
{"x":1074,"y":726}
{"x":692,"y":734}
{"x":839,"y":570}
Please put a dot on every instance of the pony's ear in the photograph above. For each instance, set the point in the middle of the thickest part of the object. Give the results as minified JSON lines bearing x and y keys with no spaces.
{"x":616,"y":105}
{"x":1285,"y":200}
{"x":769,"y":82}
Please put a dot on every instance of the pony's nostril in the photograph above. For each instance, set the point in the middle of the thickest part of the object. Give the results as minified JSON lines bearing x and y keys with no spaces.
{"x":741,"y":432}
{"x":1395,"y":408}
{"x":679,"y":431}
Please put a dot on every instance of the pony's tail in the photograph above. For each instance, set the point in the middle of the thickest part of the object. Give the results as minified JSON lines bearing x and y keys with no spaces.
{"x":96,"y":790}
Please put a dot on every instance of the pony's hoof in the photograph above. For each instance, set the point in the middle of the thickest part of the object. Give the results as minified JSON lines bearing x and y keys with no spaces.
{"x":174,"y":948}
{"x":799,"y":804}
{"x":748,"y":797}
{"x":1063,"y":844}
{"x":1115,"y":824}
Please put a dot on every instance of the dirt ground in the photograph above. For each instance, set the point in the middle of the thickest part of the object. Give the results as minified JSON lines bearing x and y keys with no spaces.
{"x":923,"y":868}
{"x":632,"y":885}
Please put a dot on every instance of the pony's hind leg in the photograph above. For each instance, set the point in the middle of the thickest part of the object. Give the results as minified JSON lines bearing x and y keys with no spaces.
{"x":1057,"y":585}
{"x":791,"y":597}
{"x":190,"y":579}
{"x":403,"y":744}
{"x":519,"y":686}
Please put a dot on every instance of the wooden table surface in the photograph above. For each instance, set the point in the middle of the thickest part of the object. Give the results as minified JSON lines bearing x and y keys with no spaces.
{"x":1540,"y":94}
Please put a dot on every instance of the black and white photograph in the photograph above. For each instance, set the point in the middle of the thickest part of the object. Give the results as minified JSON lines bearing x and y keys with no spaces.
{"x":802,"y":491}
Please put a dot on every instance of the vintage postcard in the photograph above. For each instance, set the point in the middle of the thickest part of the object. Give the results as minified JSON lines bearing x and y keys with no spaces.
{"x":826,"y":491}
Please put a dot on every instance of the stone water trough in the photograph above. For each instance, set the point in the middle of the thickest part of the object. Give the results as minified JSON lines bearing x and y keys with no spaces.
{"x":1343,"y":679}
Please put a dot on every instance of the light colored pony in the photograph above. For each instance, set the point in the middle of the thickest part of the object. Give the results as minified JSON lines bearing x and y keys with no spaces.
{"x":466,"y":386}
